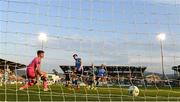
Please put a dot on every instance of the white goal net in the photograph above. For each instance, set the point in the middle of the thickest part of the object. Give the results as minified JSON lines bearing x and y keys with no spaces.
{"x":135,"y":43}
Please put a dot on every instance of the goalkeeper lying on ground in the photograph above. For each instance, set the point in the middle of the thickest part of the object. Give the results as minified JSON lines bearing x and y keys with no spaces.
{"x":33,"y":72}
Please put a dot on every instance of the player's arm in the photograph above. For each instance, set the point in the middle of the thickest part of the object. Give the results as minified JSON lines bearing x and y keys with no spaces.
{"x":81,"y":67}
{"x":105,"y":73}
{"x":37,"y":72}
{"x":38,"y":67}
{"x":42,"y":74}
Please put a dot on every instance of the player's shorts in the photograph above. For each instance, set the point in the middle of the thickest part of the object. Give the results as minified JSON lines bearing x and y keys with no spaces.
{"x":67,"y":78}
{"x":90,"y":82}
{"x":75,"y":82}
{"x":30,"y":73}
{"x":98,"y":77}
{"x":79,"y":73}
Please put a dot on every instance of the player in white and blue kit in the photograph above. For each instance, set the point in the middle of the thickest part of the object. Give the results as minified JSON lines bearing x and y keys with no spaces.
{"x":78,"y":65}
{"x":100,"y":74}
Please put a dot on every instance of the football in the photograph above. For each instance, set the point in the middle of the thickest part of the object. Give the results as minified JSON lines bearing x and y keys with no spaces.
{"x":133,"y":91}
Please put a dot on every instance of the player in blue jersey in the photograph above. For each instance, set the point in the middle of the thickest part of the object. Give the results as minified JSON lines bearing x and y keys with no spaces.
{"x":101,"y":72}
{"x":78,"y":65}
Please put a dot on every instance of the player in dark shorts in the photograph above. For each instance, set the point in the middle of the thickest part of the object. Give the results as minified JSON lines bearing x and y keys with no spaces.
{"x":92,"y":72}
{"x":74,"y":80}
{"x":75,"y":84}
{"x":67,"y":78}
{"x":78,"y":66}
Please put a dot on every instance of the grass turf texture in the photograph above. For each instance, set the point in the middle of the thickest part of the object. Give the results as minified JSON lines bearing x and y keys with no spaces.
{"x":61,"y":93}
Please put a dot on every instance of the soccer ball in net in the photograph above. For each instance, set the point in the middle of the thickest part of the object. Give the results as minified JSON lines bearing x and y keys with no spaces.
{"x":133,"y":91}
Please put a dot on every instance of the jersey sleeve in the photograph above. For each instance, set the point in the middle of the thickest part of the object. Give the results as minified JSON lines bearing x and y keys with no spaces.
{"x":105,"y":72}
{"x":79,"y":59}
{"x":37,"y":63}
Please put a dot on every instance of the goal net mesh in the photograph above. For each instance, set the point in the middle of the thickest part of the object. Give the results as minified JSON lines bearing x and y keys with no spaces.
{"x":121,"y":34}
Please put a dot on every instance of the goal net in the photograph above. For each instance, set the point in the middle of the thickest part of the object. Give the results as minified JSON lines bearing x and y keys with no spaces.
{"x":135,"y":43}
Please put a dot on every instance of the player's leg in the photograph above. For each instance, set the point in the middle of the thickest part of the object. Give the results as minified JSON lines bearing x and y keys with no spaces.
{"x":103,"y":80}
{"x":1,"y":81}
{"x":94,"y":81}
{"x":106,"y":79}
{"x":97,"y":80}
{"x":67,"y":78}
{"x":77,"y":84}
{"x":31,"y":80}
{"x":79,"y":76}
{"x":73,"y":83}
{"x":91,"y":84}
{"x":79,"y":73}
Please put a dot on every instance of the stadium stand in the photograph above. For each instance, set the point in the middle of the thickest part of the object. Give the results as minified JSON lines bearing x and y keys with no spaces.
{"x":8,"y":71}
{"x":116,"y":74}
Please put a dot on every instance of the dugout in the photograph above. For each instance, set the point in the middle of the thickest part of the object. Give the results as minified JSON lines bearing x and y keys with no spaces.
{"x":176,"y":70}
{"x":176,"y":80}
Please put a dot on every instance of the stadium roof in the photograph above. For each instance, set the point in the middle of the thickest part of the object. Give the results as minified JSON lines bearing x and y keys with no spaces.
{"x":11,"y":64}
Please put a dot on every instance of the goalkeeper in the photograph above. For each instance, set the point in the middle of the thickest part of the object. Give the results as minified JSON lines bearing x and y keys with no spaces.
{"x":34,"y":71}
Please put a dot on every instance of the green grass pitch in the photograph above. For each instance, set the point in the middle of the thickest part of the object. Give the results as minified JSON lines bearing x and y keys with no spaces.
{"x":61,"y":93}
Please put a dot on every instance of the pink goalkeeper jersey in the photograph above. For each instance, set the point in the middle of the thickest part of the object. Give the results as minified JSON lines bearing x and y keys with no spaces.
{"x":34,"y":64}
